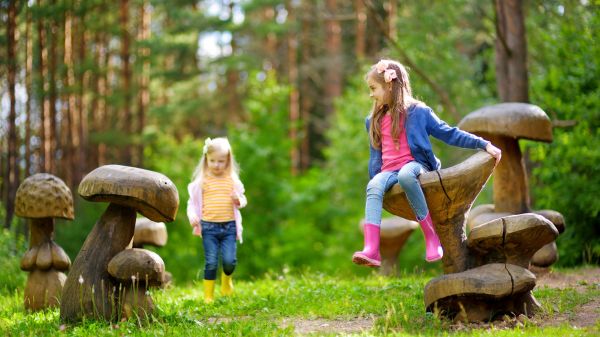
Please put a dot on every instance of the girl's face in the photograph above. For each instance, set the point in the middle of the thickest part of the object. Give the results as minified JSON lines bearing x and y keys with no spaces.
{"x":217,"y":163}
{"x":378,"y":92}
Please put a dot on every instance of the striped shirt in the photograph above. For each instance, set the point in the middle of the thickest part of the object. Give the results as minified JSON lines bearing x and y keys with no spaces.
{"x":217,"y":205}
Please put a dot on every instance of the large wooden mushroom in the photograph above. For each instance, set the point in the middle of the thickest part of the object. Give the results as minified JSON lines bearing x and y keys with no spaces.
{"x":90,"y":290}
{"x":41,"y":198}
{"x":450,"y":194}
{"x":486,"y":272}
{"x":504,"y":124}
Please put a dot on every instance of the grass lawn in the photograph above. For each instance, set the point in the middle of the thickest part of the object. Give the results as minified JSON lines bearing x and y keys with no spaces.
{"x":323,"y":305}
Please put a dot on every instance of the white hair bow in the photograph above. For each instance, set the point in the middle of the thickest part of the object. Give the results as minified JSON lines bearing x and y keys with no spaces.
{"x":207,"y":143}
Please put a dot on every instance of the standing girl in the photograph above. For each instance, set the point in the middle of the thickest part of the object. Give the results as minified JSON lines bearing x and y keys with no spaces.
{"x":399,"y":127}
{"x":216,"y":195}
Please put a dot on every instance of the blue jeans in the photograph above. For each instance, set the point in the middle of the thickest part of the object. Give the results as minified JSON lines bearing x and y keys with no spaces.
{"x":407,"y":177}
{"x":219,"y":238}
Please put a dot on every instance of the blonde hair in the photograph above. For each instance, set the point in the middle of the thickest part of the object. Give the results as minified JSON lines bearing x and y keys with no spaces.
{"x":401,"y":99}
{"x":218,"y":145}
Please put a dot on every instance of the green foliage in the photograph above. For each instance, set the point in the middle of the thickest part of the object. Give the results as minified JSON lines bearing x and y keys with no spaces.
{"x":12,"y":250}
{"x":565,"y":83}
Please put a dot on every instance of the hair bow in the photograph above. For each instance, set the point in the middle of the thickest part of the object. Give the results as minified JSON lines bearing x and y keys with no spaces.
{"x":207,"y":143}
{"x":381,"y":66}
{"x":389,"y":75}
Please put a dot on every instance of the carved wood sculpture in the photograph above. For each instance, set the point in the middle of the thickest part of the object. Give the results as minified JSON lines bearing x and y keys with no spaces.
{"x":394,"y":233}
{"x":148,"y":232}
{"x":90,"y":290}
{"x":485,"y":274}
{"x":504,"y":124}
{"x":41,"y":198}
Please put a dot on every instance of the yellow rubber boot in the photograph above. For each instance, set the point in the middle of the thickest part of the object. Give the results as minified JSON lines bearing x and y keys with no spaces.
{"x":226,"y":285}
{"x":209,"y":291}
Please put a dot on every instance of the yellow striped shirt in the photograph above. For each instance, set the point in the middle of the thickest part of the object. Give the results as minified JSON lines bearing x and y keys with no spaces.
{"x":217,"y":205}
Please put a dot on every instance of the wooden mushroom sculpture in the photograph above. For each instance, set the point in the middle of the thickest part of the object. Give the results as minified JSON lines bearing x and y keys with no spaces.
{"x":136,"y":270}
{"x":41,"y":198}
{"x":90,"y":290}
{"x":148,"y":232}
{"x":504,"y":124}
{"x":394,"y":233}
{"x":450,"y":194}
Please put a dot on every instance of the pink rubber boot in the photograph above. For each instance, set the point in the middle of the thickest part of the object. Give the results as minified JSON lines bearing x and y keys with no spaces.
{"x":369,"y":256}
{"x":433,"y":247}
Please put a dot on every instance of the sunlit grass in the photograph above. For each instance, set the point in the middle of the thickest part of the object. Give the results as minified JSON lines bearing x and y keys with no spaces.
{"x":260,"y":307}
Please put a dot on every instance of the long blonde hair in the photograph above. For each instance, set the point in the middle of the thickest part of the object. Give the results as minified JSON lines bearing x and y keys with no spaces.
{"x":401,"y":99}
{"x":220,"y":145}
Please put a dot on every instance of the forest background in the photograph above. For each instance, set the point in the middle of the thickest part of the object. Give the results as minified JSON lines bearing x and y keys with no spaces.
{"x":144,"y":82}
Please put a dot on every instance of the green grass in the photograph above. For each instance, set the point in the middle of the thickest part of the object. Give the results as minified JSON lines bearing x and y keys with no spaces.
{"x":260,"y":307}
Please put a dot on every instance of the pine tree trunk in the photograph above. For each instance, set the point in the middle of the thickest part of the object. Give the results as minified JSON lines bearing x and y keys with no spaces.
{"x":511,"y":52}
{"x":126,"y":117}
{"x":45,"y":153}
{"x":144,"y":91}
{"x":12,"y":169}
{"x":28,"y":89}
{"x":361,"y":27}
{"x":294,"y":94}
{"x":52,"y":95}
{"x":333,"y":73}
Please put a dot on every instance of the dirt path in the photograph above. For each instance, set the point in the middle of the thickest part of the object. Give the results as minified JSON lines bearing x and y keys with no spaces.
{"x":584,"y":316}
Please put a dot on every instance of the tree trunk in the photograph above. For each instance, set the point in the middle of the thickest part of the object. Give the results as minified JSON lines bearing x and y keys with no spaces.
{"x":361,"y":28}
{"x":126,"y":117}
{"x":306,"y":103}
{"x":81,"y":100}
{"x":12,"y":169}
{"x":28,"y":89}
{"x":70,"y":134}
{"x":45,"y":153}
{"x":511,"y":52}
{"x":333,"y":74}
{"x":144,"y":91}
{"x":294,"y":94}
{"x":52,"y":95}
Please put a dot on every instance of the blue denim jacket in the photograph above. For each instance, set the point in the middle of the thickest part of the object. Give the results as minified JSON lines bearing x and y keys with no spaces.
{"x":421,"y":122}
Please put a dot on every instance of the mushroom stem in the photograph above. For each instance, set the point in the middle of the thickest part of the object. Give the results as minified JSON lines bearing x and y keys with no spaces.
{"x":40,"y":230}
{"x":511,"y":189}
{"x":89,"y":290}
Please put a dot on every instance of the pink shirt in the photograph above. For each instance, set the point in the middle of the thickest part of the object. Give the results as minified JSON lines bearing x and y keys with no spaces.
{"x":393,"y":158}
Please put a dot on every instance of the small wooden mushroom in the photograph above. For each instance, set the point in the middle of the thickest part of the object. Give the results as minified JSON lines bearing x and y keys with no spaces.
{"x":136,"y":270}
{"x":394,"y":233}
{"x":546,"y":255}
{"x":148,"y":232}
{"x":449,"y":193}
{"x":90,"y":291}
{"x":481,"y":293}
{"x":41,"y":198}
{"x":511,"y":239}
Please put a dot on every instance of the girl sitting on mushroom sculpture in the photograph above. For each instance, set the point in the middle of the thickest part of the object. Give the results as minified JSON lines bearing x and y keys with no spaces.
{"x":399,"y":127}
{"x":216,"y":195}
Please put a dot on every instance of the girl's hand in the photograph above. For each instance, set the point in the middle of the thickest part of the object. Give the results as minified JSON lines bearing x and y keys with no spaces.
{"x":194,"y":221}
{"x":236,"y":199}
{"x":494,"y":151}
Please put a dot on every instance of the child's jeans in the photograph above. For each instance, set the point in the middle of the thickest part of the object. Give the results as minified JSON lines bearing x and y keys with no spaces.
{"x":407,"y":177}
{"x":219,"y":238}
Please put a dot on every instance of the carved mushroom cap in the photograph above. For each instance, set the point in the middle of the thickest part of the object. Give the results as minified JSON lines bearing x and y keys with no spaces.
{"x":148,"y":232}
{"x":144,"y":265}
{"x":43,"y":195}
{"x":485,"y":213}
{"x":515,"y":120}
{"x":516,"y":237}
{"x":151,"y":193}
{"x":489,"y":282}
